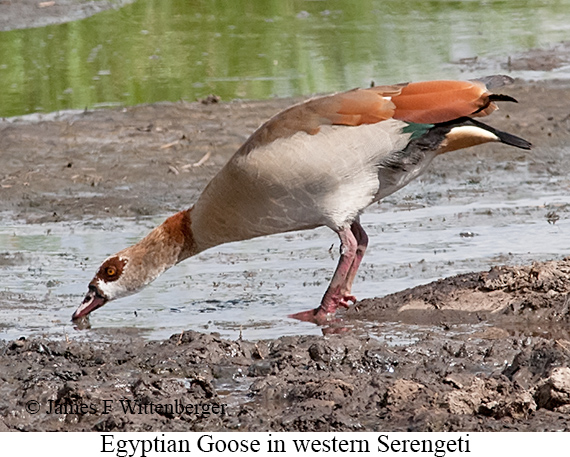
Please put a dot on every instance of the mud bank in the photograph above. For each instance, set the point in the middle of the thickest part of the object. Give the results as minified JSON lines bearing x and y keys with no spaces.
{"x":492,"y":352}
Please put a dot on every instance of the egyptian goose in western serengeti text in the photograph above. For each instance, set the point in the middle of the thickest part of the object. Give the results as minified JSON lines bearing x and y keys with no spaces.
{"x":321,"y":162}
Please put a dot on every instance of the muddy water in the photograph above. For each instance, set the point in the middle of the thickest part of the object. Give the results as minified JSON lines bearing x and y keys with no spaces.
{"x":427,"y":231}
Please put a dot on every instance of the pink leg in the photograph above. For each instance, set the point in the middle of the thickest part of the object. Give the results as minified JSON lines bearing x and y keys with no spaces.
{"x":362,"y":244}
{"x":334,"y":296}
{"x":353,"y":244}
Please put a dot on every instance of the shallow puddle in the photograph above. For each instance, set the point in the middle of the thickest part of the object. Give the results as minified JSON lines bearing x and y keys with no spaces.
{"x":426,"y":232}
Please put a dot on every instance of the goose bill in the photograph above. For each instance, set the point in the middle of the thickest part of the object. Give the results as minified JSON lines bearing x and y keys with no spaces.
{"x":93,"y":300}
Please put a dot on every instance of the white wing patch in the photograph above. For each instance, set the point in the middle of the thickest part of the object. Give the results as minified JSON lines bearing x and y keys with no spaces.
{"x":469,"y":131}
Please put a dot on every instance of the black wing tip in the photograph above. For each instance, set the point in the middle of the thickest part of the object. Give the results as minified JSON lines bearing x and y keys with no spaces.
{"x":509,"y":138}
{"x":504,"y":137}
{"x":502,"y":98}
{"x":513,"y":140}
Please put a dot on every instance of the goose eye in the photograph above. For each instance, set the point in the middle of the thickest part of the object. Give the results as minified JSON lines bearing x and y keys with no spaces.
{"x":111,"y":271}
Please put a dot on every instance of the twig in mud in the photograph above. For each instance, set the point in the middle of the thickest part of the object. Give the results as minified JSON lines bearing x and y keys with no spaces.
{"x":169,"y":145}
{"x":200,"y":162}
{"x":563,"y":344}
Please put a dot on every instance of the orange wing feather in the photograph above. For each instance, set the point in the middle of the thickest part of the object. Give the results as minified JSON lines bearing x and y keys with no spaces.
{"x":360,"y":107}
{"x":440,"y":101}
{"x":355,"y":107}
{"x":429,"y":102}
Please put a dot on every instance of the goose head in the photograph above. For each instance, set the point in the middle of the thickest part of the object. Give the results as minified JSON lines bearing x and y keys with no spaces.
{"x":114,"y":279}
{"x":130,"y":270}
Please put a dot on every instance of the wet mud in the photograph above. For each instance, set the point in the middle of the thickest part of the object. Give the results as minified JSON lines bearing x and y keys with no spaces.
{"x":482,"y":351}
{"x":492,"y":353}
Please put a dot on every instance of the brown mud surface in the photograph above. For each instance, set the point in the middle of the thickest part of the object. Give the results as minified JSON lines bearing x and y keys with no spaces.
{"x":491,"y":350}
{"x":495,"y":356}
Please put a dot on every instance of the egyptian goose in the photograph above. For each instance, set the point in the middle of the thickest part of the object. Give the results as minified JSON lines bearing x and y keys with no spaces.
{"x":321,"y":162}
